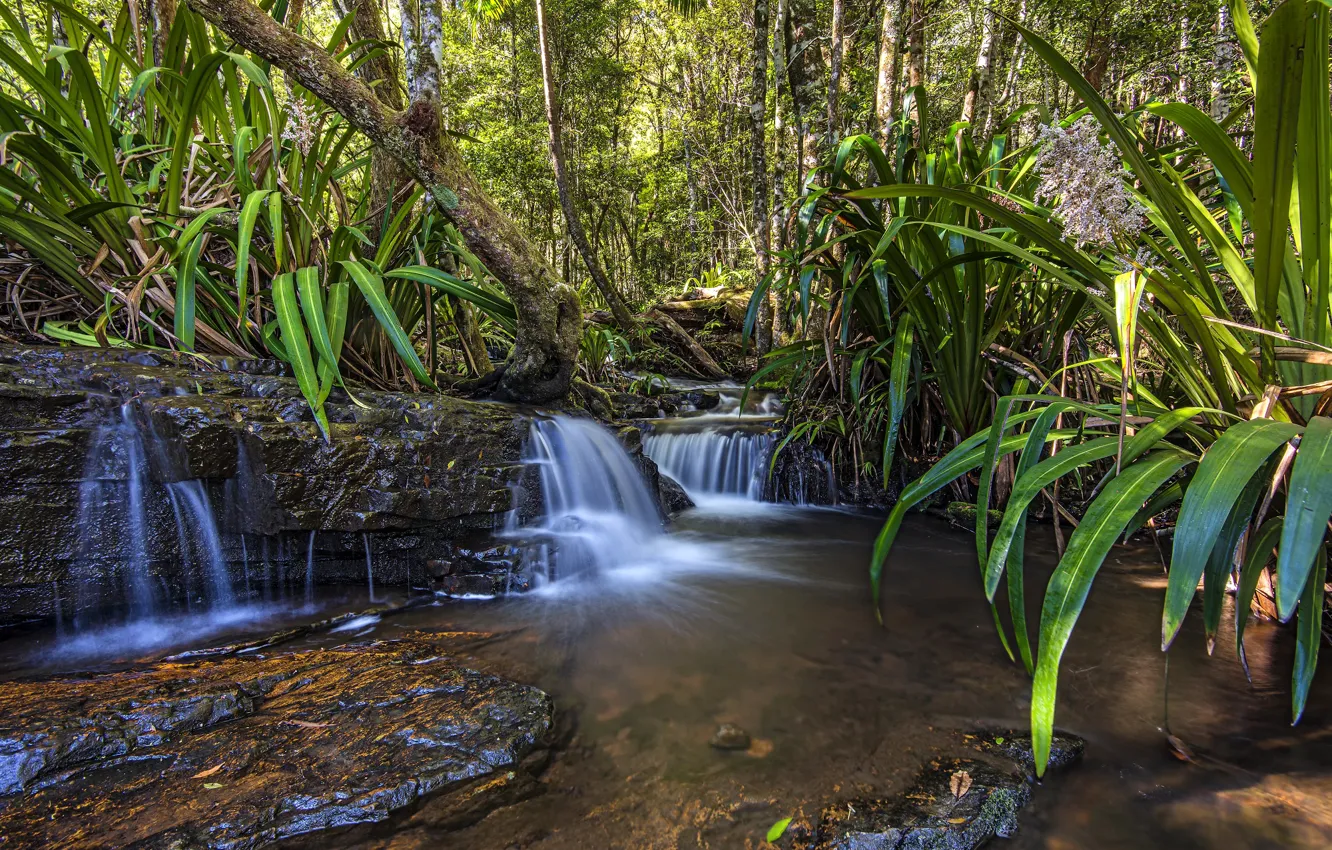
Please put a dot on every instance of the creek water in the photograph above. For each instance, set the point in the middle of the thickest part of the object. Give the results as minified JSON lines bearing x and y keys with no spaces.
{"x":758,"y":615}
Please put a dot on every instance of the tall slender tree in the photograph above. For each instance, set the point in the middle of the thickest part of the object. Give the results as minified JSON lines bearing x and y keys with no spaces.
{"x":758,"y":119}
{"x":979,"y":82}
{"x":886,"y":88}
{"x":618,"y":308}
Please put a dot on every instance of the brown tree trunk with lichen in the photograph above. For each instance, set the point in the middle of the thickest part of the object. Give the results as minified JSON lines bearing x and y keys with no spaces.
{"x":758,"y":108}
{"x":618,"y":308}
{"x":163,"y":14}
{"x":388,"y":178}
{"x":541,"y":364}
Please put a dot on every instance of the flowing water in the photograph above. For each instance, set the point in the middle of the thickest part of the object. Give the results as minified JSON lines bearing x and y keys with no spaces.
{"x":726,"y":452}
{"x":757,"y":614}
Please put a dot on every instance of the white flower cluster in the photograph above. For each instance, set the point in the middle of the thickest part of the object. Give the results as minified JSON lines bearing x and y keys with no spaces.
{"x":1087,"y":179}
{"x":300,"y":127}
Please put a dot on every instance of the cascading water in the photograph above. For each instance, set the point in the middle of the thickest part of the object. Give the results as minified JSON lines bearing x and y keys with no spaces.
{"x":722,"y":452}
{"x":598,"y":512}
{"x":119,"y":506}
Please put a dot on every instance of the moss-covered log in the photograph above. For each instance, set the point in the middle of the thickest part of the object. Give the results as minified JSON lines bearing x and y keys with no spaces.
{"x":541,"y":364}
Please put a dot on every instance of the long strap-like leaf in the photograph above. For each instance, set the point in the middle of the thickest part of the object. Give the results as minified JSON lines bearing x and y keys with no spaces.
{"x":297,"y":347}
{"x":1308,"y":507}
{"x":1222,"y":475}
{"x":1068,"y":588}
{"x":372,"y":289}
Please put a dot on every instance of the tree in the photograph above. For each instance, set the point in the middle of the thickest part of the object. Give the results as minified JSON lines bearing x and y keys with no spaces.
{"x":617,"y":306}
{"x":978,"y":83}
{"x":886,"y":85}
{"x":758,"y":109}
{"x":541,"y":363}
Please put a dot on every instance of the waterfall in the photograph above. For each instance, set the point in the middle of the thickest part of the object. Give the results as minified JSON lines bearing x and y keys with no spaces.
{"x":119,"y":506}
{"x":714,"y":461}
{"x":598,"y":512}
{"x":370,"y":567}
{"x":309,"y":573}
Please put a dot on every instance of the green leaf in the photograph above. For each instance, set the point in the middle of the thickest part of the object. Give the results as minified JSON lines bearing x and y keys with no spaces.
{"x":1308,"y":635}
{"x":244,"y":235}
{"x":1276,"y":119}
{"x":777,"y":830}
{"x":372,"y":289}
{"x":1258,"y":554}
{"x":1222,"y":474}
{"x":297,"y":346}
{"x":1068,"y":588}
{"x":1308,"y":507}
{"x":185,"y":301}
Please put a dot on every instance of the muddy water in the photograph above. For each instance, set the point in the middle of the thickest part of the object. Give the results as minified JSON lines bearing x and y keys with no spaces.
{"x":758,"y":616}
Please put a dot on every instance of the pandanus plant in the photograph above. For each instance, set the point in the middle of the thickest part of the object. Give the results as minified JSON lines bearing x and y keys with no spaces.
{"x":1235,"y":427}
{"x":198,"y":206}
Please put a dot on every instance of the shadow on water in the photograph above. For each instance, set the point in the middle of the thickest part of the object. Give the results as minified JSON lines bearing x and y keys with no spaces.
{"x":759,"y":617}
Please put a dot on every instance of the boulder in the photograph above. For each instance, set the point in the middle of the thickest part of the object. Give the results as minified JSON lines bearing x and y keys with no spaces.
{"x":251,"y":750}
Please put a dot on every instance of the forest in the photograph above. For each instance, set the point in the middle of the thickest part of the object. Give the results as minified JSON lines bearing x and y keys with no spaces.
{"x":1053,"y":276}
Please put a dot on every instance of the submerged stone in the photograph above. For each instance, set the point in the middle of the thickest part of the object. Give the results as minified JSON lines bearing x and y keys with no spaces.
{"x":730,"y":737}
{"x":954,"y":804}
{"x":248,"y":751}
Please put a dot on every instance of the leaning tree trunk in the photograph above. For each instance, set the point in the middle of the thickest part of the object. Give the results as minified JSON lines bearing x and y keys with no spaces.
{"x":540,"y":366}
{"x":758,"y":109}
{"x":618,"y":309}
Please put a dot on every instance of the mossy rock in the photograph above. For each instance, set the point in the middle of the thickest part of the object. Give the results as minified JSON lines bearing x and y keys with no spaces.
{"x":963,"y":515}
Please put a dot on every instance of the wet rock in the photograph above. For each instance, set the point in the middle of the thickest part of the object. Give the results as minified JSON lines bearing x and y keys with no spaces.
{"x":802,"y":475}
{"x":412,"y":476}
{"x":953,"y":804}
{"x":963,"y":515}
{"x":1065,"y":749}
{"x":729,"y":737}
{"x":674,"y":499}
{"x":248,"y":751}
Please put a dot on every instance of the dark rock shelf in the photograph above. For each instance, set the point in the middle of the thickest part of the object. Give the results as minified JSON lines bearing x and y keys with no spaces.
{"x":248,"y":751}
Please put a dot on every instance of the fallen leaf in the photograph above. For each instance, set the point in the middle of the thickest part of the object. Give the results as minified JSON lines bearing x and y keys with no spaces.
{"x":999,"y":739}
{"x":306,"y":724}
{"x":451,"y":463}
{"x":204,"y":774}
{"x":778,"y":829}
{"x":212,"y":786}
{"x":960,"y":784}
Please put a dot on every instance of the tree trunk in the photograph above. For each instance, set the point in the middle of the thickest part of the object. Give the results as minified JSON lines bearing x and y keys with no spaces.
{"x":618,"y":309}
{"x":163,"y":13}
{"x":916,"y":58}
{"x":541,"y":364}
{"x":1018,"y":48}
{"x":1223,"y":62}
{"x":836,"y":51}
{"x":778,"y":229}
{"x":387,"y":176}
{"x":886,"y":87}
{"x":979,"y":82}
{"x":805,"y":72}
{"x":758,"y":109}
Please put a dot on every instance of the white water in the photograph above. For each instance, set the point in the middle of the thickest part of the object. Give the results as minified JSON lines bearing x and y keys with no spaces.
{"x":116,"y":500}
{"x":723,"y":452}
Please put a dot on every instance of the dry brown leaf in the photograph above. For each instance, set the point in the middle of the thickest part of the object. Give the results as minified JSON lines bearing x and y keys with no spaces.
{"x":960,"y":784}
{"x":204,"y":774}
{"x":306,"y":724}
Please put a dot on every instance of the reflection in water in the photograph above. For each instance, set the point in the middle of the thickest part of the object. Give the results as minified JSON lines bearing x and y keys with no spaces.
{"x":759,"y":617}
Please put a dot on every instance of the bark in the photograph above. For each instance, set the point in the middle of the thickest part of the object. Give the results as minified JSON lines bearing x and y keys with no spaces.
{"x":163,"y":13}
{"x":623,"y":318}
{"x":541,"y":364}
{"x":836,"y":52}
{"x":387,"y":176}
{"x":777,"y":229}
{"x":978,"y":84}
{"x":805,"y":72}
{"x":886,"y":89}
{"x":916,"y":57}
{"x":698,"y":352}
{"x":758,"y":108}
{"x":1018,"y":48}
{"x":1223,"y":62}
{"x":1097,"y":59}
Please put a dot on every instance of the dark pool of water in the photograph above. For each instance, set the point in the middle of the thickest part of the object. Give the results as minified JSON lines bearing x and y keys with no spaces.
{"x":759,"y":616}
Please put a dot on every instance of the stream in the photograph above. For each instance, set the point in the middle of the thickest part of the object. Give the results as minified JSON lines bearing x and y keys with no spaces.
{"x":756,"y":614}
{"x":769,"y":628}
